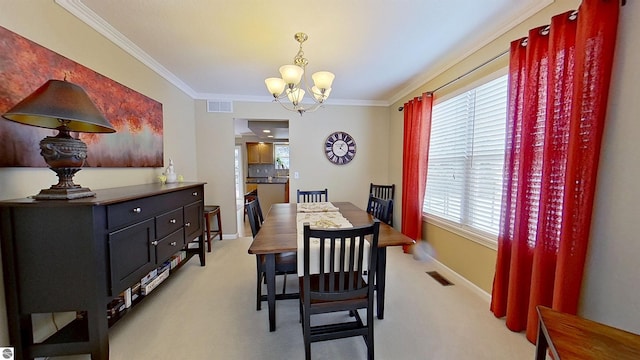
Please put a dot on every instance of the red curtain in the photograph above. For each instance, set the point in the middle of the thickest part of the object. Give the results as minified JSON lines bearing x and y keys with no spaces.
{"x":417,"y":131}
{"x":558,"y":87}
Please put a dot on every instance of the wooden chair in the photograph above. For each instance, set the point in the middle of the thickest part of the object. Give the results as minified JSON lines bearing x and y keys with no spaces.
{"x":381,"y":209}
{"x":286,"y":263}
{"x":209,"y":212}
{"x":342,"y":285}
{"x":313,"y":196}
{"x":384,"y":192}
{"x":248,"y":197}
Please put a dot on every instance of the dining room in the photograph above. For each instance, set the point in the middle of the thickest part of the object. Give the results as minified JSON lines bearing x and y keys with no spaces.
{"x":209,"y":312}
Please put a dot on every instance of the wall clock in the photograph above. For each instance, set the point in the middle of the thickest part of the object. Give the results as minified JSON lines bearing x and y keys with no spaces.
{"x":340,"y":148}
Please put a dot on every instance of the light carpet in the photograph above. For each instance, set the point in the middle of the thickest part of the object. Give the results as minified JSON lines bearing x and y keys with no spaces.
{"x":209,"y":313}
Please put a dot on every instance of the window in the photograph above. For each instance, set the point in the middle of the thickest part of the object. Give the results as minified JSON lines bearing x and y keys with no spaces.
{"x":282,"y":155}
{"x":466,"y":156}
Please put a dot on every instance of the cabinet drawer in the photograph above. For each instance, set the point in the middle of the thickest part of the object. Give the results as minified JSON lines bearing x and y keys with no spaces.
{"x":190,"y":195}
{"x":169,"y":222}
{"x":169,"y":246}
{"x":130,"y":212}
{"x":193,"y":220}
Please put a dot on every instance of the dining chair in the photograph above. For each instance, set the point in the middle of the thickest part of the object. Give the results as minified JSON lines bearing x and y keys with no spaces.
{"x":381,"y":209}
{"x":286,"y":263}
{"x":313,"y":195}
{"x":248,"y":197}
{"x":384,"y":192}
{"x":343,"y":281}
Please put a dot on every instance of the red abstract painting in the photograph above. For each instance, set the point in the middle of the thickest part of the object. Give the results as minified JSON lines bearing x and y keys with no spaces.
{"x":25,"y":66}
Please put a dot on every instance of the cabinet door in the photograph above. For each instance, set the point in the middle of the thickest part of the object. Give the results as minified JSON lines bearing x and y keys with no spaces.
{"x":253,"y":153}
{"x":132,"y":254}
{"x":193,"y":221}
{"x":266,"y":153}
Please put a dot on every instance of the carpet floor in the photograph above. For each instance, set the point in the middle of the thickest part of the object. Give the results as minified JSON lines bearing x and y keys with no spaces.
{"x":208,"y":313}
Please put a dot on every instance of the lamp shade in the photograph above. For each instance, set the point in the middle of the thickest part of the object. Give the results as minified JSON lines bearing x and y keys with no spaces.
{"x":60,"y":100}
{"x":291,"y":74}
{"x":275,"y":86}
{"x":319,"y":95}
{"x":323,"y":79}
{"x":295,"y":96}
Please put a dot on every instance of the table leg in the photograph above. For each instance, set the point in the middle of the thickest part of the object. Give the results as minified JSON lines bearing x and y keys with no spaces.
{"x":271,"y":289}
{"x":201,"y":242}
{"x":541,"y":343}
{"x":380,"y":275}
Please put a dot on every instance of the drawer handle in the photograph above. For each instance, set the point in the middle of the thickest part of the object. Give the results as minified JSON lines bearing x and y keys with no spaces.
{"x":195,"y":193}
{"x":187,"y":224}
{"x":154,"y":243}
{"x":173,"y":243}
{"x":173,"y":221}
{"x":137,"y":210}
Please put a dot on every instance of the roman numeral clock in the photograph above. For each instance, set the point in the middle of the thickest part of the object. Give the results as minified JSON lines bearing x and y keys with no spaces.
{"x":340,"y":148}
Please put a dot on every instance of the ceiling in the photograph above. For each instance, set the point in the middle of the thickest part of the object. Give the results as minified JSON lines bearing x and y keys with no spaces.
{"x":379,"y":50}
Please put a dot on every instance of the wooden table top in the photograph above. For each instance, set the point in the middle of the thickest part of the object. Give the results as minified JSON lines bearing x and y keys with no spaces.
{"x":573,"y":337}
{"x":279,"y":231}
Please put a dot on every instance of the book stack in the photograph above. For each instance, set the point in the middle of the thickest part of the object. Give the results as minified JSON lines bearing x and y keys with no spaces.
{"x":142,"y":288}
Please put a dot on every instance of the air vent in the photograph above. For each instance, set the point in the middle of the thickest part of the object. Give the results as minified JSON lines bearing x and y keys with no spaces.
{"x":220,"y":106}
{"x":439,"y":278}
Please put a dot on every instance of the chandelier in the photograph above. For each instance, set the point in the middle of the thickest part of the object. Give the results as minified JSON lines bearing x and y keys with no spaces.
{"x":293,"y":83}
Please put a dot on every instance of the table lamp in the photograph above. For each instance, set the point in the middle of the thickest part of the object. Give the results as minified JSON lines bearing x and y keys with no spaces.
{"x":61,"y":105}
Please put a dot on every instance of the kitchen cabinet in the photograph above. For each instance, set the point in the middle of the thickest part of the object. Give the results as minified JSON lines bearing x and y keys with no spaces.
{"x":260,"y":153}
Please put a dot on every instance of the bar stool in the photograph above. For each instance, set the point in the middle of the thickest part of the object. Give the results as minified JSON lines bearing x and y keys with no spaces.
{"x":209,"y":211}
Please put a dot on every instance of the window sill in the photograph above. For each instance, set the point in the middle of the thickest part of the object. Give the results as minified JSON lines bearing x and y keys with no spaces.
{"x":484,"y":240}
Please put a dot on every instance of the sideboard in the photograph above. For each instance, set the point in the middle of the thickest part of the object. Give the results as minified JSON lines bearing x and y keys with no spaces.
{"x":77,"y":255}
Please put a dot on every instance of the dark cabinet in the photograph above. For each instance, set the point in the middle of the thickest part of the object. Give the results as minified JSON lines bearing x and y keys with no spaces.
{"x":132,"y":254}
{"x":77,"y":255}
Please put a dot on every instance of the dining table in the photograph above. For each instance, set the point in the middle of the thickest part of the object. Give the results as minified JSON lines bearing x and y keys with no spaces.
{"x":279,"y":234}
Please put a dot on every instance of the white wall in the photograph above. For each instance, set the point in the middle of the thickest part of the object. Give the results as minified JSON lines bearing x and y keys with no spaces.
{"x":610,"y":290}
{"x":368,"y":125}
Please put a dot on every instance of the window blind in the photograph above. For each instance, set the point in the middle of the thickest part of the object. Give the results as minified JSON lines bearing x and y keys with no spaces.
{"x":466,"y":156}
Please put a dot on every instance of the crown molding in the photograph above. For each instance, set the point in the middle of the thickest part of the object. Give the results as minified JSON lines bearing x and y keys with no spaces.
{"x":86,"y":15}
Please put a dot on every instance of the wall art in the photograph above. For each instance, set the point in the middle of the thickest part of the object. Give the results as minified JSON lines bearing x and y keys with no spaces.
{"x":25,"y":66}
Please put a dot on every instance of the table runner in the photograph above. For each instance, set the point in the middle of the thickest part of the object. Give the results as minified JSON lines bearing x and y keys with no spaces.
{"x":315,"y":207}
{"x":323,"y":218}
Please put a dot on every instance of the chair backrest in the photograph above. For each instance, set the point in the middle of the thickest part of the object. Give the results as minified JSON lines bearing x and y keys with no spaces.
{"x":251,"y":196}
{"x":381,"y":209}
{"x":346,"y":256}
{"x":313,"y":195}
{"x":255,"y":215}
{"x":382,"y":191}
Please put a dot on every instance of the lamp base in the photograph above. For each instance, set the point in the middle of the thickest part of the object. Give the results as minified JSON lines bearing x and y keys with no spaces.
{"x":65,"y":189}
{"x":64,"y":194}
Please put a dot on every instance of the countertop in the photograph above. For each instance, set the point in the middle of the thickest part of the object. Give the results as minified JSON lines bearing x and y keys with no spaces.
{"x":266,"y":180}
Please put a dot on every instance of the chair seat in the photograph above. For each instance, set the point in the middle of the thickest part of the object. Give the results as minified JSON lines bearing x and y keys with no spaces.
{"x":335,"y":299}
